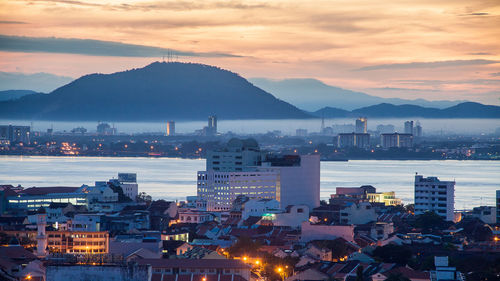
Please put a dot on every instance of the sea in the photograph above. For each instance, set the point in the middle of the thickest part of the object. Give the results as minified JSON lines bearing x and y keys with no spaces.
{"x":175,"y":178}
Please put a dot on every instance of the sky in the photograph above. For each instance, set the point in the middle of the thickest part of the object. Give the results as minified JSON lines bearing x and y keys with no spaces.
{"x":436,"y":50}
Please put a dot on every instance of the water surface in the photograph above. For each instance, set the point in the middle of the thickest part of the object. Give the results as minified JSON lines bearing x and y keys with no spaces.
{"x":173,"y":178}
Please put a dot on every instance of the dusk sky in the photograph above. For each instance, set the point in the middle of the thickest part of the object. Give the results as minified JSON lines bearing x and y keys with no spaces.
{"x":409,"y":49}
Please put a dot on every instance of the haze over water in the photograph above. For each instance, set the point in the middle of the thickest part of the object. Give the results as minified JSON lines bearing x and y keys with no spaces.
{"x":173,"y":178}
{"x":287,"y":126}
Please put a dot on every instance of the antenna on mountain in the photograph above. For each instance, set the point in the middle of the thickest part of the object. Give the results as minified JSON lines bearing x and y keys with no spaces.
{"x":163,"y":58}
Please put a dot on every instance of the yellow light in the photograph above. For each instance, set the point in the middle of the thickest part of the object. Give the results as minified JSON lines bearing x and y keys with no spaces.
{"x":496,"y":238}
{"x":245,"y":258}
{"x":257,"y":262}
{"x":279,"y":269}
{"x":204,"y":279}
{"x":28,"y":277}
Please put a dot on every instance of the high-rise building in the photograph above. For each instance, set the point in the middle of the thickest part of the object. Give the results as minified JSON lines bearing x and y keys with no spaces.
{"x":170,"y":128}
{"x":396,"y":140}
{"x":105,"y":129}
{"x":301,"y":132}
{"x":212,"y":125}
{"x":220,"y":189}
{"x":417,"y":131}
{"x":236,"y":156}
{"x":434,"y":195}
{"x":362,"y":125}
{"x":385,"y":129}
{"x":409,"y":127}
{"x":15,"y":133}
{"x":240,"y":169}
{"x":353,"y":140}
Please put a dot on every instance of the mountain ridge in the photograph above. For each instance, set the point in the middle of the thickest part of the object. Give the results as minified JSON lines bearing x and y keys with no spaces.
{"x":319,"y":94}
{"x":158,"y":91}
{"x":386,"y":110}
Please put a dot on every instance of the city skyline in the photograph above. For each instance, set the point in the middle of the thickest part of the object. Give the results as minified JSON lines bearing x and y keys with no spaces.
{"x":408,"y":50}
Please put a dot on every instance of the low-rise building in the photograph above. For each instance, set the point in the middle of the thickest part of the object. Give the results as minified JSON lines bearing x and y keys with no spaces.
{"x":486,"y":214}
{"x":311,"y":232}
{"x":387,"y":198}
{"x":204,"y":269}
{"x":194,"y":216}
{"x":293,"y":217}
{"x":358,"y":213}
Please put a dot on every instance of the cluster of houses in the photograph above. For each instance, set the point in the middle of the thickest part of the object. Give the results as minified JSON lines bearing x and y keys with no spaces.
{"x":236,"y":228}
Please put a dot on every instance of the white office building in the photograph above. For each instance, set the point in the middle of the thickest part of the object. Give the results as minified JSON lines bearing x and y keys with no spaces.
{"x":128,"y":183}
{"x":299,"y":179}
{"x":292,"y":180}
{"x":220,"y":189}
{"x":434,"y":195}
{"x":238,"y":155}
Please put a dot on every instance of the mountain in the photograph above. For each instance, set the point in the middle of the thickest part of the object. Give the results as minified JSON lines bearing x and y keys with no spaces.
{"x":311,"y":94}
{"x":14,"y":94}
{"x":158,"y":92}
{"x":331,"y":112}
{"x":385,"y":110}
{"x":39,"y":82}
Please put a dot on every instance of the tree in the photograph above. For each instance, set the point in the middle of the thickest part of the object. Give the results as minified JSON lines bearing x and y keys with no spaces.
{"x":359,"y":273}
{"x":393,"y":254}
{"x":244,"y":246}
{"x":429,"y":220}
{"x":144,"y":197}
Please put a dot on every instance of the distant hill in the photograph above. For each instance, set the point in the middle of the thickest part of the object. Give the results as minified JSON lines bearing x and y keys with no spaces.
{"x":38,"y":82}
{"x":157,"y":92}
{"x":385,"y":110}
{"x":311,"y":94}
{"x":14,"y":94}
{"x":331,"y":112}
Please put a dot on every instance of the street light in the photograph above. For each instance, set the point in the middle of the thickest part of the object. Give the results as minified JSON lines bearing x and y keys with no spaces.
{"x":281,"y":273}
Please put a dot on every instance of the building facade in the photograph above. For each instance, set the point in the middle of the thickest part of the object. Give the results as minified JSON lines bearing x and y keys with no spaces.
{"x":220,"y":189}
{"x":434,"y":195}
{"x":387,"y":198}
{"x":498,"y":206}
{"x":359,"y":140}
{"x":128,"y":183}
{"x":15,"y":133}
{"x":396,"y":140}
{"x":238,"y":155}
{"x":362,"y":125}
{"x":409,"y":127}
{"x":170,"y":128}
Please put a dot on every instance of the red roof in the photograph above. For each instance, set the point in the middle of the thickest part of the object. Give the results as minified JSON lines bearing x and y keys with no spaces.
{"x":189,"y":263}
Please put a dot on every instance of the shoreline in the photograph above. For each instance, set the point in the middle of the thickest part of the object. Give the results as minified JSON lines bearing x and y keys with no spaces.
{"x":203,"y":158}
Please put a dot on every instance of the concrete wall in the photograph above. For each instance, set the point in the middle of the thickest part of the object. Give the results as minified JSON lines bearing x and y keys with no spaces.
{"x":311,"y":232}
{"x":300,"y":185}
